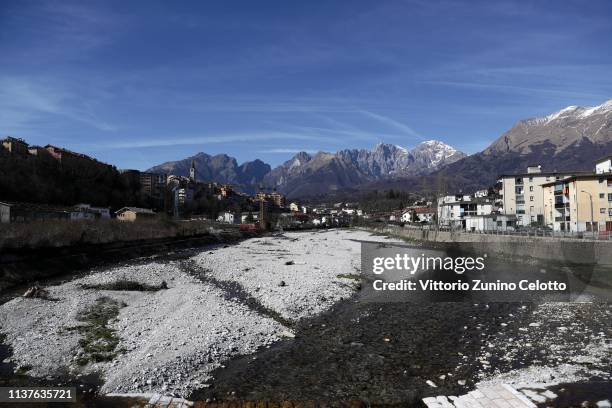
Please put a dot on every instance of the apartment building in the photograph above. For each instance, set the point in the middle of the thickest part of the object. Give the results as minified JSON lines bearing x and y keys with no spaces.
{"x":153,"y":185}
{"x":453,"y":210}
{"x":522,"y":194}
{"x":581,"y":203}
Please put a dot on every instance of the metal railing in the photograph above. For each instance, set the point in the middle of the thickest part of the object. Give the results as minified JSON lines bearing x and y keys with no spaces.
{"x":527,"y":232}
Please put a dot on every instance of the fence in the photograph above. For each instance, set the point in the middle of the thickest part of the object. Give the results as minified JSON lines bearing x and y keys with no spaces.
{"x":530,"y":232}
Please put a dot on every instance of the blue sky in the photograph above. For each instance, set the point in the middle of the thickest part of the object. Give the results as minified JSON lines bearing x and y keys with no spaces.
{"x":138,"y":83}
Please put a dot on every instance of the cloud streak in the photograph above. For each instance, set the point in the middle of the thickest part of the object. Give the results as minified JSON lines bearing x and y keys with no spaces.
{"x":407,"y":130}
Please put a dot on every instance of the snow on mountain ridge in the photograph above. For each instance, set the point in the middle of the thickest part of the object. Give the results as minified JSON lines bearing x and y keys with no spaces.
{"x":580,"y":112}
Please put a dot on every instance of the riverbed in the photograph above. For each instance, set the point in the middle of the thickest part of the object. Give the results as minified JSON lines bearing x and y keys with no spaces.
{"x":281,"y":317}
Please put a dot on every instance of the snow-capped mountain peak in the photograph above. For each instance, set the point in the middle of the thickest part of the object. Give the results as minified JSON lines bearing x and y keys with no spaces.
{"x":577,"y":112}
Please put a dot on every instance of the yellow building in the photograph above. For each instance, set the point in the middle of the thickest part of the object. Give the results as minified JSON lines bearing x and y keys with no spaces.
{"x":521,"y":194}
{"x":579,"y":203}
{"x":132,"y":214}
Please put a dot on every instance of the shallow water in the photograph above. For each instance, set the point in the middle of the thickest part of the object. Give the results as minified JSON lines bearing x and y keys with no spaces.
{"x":383,"y":352}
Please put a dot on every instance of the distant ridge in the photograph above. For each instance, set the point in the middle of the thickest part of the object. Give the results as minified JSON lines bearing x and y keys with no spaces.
{"x":315,"y":174}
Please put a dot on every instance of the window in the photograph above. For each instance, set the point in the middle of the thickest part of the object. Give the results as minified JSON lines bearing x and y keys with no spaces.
{"x":609,"y":196}
{"x":601,"y":181}
{"x":531,"y":209}
{"x":602,"y":195}
{"x":530,"y":188}
{"x":530,"y":198}
{"x":530,"y":179}
{"x":610,"y":182}
{"x":602,"y":210}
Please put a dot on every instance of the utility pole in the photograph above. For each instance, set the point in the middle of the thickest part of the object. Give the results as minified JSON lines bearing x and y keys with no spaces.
{"x":592,"y":221}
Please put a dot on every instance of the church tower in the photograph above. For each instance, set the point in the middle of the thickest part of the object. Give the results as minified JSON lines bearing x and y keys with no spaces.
{"x":192,"y":175}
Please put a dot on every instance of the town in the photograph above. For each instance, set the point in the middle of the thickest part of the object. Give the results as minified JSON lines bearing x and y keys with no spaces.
{"x":571,"y":203}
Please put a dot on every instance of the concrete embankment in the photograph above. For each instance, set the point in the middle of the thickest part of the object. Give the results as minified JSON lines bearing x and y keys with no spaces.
{"x":563,"y":250}
{"x":23,"y":266}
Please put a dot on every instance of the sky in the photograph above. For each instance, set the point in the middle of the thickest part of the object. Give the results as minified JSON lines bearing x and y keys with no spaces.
{"x":138,"y":83}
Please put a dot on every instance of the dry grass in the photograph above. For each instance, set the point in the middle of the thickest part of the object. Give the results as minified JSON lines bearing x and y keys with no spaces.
{"x":59,"y":233}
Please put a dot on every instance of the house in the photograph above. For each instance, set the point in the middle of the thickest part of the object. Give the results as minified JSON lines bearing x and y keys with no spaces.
{"x":245,"y":215}
{"x":452,"y":210}
{"x":424,"y":214}
{"x":226,"y":190}
{"x":604,"y":165}
{"x":27,"y":212}
{"x":418,"y":214}
{"x":228,"y":218}
{"x":406,"y":216}
{"x":15,"y":145}
{"x":38,"y":151}
{"x":294,"y":207}
{"x":134,"y":213}
{"x":521,"y":194}
{"x":5,"y":213}
{"x":96,"y":212}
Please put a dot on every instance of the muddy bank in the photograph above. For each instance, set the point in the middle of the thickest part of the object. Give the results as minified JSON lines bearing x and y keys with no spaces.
{"x":22,"y":266}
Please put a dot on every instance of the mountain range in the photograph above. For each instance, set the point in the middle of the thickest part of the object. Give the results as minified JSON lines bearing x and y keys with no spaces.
{"x":570,"y":139}
{"x":307,"y":174}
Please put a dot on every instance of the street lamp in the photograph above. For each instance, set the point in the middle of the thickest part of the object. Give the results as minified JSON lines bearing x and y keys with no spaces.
{"x":592,"y":221}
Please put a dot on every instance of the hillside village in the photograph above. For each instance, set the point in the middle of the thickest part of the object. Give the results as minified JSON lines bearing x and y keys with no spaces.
{"x":567,"y":201}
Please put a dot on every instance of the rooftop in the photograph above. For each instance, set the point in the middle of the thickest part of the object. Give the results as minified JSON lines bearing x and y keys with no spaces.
{"x":137,"y":210}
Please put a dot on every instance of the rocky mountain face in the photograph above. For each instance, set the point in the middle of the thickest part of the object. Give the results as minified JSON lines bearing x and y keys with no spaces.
{"x":220,"y":168}
{"x":305,"y":174}
{"x":559,"y":131}
{"x":570,"y":139}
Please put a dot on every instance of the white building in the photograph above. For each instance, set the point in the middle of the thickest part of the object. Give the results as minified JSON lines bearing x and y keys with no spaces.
{"x":227,"y":217}
{"x":244,"y":216}
{"x":96,"y":212}
{"x":491,"y":222}
{"x":604,"y":165}
{"x":294,"y":207}
{"x":419,"y":214}
{"x":453,"y":210}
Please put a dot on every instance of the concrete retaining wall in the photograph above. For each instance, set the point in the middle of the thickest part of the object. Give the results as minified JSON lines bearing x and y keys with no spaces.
{"x":575,"y":251}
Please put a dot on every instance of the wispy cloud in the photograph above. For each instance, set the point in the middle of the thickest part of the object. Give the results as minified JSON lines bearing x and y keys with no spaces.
{"x":523,"y":90}
{"x":202,"y":140}
{"x":26,"y":103}
{"x":392,"y":123}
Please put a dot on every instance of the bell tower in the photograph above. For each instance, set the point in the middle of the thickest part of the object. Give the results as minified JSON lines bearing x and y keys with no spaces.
{"x":192,"y":174}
